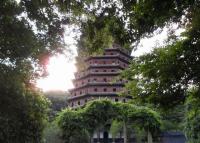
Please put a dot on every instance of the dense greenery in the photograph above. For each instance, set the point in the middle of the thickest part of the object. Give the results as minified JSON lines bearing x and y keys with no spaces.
{"x":58,"y":101}
{"x":23,"y":112}
{"x":85,"y":121}
{"x":30,"y":31}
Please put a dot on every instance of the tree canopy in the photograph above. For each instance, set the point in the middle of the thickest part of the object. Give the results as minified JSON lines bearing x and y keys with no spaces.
{"x":102,"y":112}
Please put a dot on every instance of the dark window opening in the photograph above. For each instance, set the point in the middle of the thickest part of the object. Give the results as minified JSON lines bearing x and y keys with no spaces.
{"x":124,"y":100}
{"x":79,"y":103}
{"x":72,"y":104}
{"x":105,"y":80}
{"x":105,"y":135}
{"x":104,"y":70}
{"x":112,"y":70}
{"x":95,"y":89}
{"x":114,"y":89}
{"x":85,"y":100}
{"x":96,"y":71}
{"x":116,"y":99}
{"x":105,"y":89}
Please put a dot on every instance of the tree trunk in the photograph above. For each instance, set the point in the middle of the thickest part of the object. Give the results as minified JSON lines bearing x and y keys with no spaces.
{"x":91,"y":138}
{"x":149,"y":137}
{"x":125,"y":132}
{"x":98,"y":135}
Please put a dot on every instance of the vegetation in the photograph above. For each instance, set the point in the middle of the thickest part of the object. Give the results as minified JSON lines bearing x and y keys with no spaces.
{"x":58,"y":101}
{"x":32,"y":30}
{"x":102,"y":112}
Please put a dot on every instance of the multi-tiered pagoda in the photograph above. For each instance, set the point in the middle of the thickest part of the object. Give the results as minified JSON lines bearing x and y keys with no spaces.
{"x":99,"y":79}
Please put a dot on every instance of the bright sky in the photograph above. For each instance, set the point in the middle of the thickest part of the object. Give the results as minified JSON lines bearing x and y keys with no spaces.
{"x":61,"y":69}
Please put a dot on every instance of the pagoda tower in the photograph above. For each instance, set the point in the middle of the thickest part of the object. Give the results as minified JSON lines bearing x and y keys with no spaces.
{"x":99,"y":79}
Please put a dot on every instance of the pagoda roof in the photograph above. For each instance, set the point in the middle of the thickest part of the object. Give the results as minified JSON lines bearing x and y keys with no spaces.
{"x":122,"y":51}
{"x":97,"y":73}
{"x":94,"y":94}
{"x":107,"y":57}
{"x":98,"y":84}
{"x":106,"y":66}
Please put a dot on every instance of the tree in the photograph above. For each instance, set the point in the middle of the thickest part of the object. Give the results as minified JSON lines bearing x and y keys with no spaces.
{"x":192,"y":117}
{"x":58,"y":101}
{"x":23,"y":112}
{"x":103,"y":112}
{"x":30,"y":31}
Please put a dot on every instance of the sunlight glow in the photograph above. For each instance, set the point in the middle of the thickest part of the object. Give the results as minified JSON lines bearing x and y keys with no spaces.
{"x":61,"y":72}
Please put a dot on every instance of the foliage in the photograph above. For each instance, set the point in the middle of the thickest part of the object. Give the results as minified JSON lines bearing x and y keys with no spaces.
{"x":192,"y":117}
{"x":52,"y":133}
{"x":127,"y":21}
{"x":101,"y":112}
{"x":73,"y":127}
{"x":173,"y":119}
{"x":23,"y":112}
{"x":58,"y":101}
{"x":30,"y":31}
{"x":115,"y":128}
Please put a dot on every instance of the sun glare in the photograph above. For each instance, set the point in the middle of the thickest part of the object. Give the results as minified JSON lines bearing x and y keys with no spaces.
{"x":61,"y":72}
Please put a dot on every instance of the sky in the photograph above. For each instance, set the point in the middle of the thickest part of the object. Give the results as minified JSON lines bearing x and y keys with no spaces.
{"x":61,"y":68}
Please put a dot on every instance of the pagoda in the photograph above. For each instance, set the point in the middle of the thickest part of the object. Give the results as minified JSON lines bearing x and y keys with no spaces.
{"x":99,"y":79}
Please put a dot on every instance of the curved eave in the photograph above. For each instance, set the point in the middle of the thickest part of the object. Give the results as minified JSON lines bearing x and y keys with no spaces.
{"x":97,"y":84}
{"x":106,"y":66}
{"x":119,"y":50}
{"x":97,"y":74}
{"x":108,"y":57}
{"x":99,"y":94}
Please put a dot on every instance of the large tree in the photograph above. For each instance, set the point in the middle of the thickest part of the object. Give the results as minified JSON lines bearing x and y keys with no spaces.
{"x":30,"y":31}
